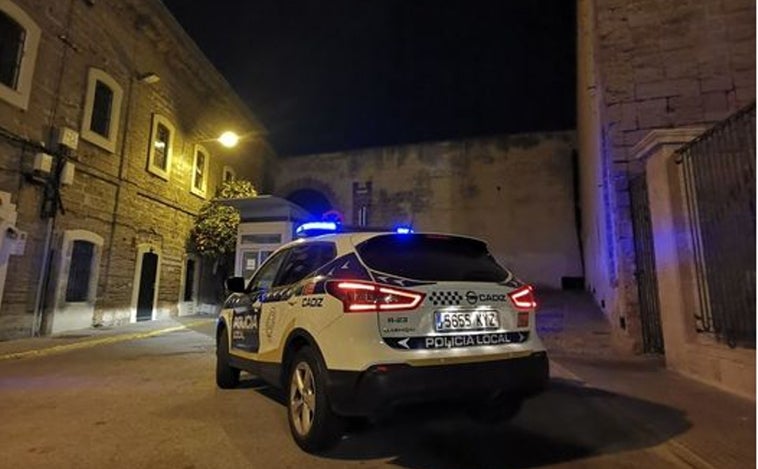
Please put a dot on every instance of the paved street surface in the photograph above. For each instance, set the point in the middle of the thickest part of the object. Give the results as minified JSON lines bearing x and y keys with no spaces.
{"x":144,"y":396}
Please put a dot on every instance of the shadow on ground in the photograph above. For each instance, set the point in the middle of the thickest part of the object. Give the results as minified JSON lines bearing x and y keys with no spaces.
{"x":569,"y":422}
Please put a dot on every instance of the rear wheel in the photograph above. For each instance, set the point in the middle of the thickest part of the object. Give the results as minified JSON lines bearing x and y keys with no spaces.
{"x":227,"y":376}
{"x":314,"y":426}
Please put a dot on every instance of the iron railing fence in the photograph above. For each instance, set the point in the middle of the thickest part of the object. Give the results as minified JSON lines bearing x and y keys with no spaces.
{"x":645,"y":272}
{"x":719,"y":181}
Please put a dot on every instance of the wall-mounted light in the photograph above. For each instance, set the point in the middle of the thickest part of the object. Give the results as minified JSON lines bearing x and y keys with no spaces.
{"x":149,"y":78}
{"x":229,"y":139}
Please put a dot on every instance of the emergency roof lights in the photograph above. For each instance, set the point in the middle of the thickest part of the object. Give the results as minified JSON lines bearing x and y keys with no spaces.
{"x":316,"y":226}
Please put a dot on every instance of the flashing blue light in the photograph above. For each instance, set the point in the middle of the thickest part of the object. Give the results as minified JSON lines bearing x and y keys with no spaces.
{"x":316,"y":225}
{"x":403,"y":230}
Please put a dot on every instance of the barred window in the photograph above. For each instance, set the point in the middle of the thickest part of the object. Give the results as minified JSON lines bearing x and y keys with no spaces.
{"x":80,"y":271}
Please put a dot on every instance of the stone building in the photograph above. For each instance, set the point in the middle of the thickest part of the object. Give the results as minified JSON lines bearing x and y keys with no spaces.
{"x":515,"y":191}
{"x":652,"y":75}
{"x":108,"y":119}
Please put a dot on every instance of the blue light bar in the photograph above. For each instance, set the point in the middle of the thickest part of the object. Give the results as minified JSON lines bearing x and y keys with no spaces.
{"x":317,"y":225}
{"x":403,"y":230}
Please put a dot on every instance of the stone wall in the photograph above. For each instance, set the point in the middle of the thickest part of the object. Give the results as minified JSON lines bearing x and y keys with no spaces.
{"x":644,"y":65}
{"x":113,"y":194}
{"x":514,"y":191}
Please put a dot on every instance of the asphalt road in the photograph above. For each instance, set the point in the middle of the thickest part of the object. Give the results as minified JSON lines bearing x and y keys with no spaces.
{"x":152,"y":403}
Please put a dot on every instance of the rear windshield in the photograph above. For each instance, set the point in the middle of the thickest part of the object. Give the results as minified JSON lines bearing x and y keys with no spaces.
{"x":431,"y":258}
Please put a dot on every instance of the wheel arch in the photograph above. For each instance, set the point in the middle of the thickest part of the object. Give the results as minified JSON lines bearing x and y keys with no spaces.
{"x":220,"y":326}
{"x":296,"y":340}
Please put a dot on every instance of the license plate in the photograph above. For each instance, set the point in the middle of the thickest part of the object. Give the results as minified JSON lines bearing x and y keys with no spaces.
{"x":447,"y":321}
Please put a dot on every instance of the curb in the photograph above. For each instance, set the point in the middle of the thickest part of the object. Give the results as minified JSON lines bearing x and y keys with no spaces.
{"x":56,"y":349}
{"x":559,"y":371}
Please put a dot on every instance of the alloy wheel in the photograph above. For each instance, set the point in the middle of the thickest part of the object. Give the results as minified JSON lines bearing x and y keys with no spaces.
{"x":302,"y":398}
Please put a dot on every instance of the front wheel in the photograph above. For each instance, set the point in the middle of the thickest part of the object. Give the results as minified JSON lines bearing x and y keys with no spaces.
{"x":313,"y":424}
{"x":227,"y":377}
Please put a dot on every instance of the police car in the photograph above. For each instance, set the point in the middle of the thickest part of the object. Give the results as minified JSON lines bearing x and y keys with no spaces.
{"x":356,"y":324}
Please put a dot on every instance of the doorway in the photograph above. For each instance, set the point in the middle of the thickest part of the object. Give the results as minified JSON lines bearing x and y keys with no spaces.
{"x":146,"y":295}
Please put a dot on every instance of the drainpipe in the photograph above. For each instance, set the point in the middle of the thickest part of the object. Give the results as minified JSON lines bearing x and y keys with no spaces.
{"x":44,"y":274}
{"x":43,"y":278}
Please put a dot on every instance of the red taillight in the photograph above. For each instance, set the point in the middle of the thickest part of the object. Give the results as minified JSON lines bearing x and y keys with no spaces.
{"x":370,"y":297}
{"x":523,"y":298}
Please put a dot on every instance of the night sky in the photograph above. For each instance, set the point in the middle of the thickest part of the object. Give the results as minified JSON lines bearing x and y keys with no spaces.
{"x":330,"y":75}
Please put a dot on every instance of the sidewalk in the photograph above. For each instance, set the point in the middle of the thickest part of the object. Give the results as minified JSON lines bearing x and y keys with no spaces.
{"x":570,"y":323}
{"x":723,"y":426}
{"x":578,"y":339}
{"x":92,"y":336}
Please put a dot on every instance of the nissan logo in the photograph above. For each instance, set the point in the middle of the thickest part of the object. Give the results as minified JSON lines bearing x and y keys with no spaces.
{"x":471,"y":297}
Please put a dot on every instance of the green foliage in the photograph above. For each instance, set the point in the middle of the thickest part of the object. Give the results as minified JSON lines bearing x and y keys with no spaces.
{"x":215,"y":232}
{"x":237,"y":189}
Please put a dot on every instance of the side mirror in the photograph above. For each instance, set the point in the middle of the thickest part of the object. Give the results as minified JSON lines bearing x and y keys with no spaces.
{"x":235,"y":284}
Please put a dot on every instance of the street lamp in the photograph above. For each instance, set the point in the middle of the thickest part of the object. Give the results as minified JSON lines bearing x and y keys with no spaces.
{"x":228,"y":139}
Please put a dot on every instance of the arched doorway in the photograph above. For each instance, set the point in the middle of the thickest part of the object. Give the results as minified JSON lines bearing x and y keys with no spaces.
{"x":311,"y":200}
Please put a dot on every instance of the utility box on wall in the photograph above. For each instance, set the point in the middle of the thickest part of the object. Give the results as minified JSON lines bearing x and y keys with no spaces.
{"x":266,"y":223}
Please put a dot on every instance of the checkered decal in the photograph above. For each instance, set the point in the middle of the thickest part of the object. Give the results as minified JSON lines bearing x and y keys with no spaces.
{"x":444,"y":298}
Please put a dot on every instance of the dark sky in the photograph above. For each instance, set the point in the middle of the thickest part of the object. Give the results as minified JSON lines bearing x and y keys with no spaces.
{"x":329,"y":75}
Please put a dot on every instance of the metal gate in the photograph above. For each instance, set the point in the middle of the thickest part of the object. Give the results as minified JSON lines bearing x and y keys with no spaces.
{"x":647,"y":282}
{"x":719,"y":179}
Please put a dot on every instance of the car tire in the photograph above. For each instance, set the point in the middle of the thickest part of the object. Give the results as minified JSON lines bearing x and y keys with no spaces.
{"x":313,"y":424}
{"x":227,"y":377}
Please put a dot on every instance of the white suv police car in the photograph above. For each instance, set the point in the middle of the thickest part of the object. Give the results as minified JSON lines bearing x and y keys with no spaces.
{"x":353,"y":324}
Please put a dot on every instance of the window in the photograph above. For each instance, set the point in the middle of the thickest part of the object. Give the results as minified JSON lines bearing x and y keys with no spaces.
{"x":361,"y":202}
{"x":229,"y":174}
{"x":432,"y":258}
{"x":304,"y":260}
{"x":251,"y":259}
{"x":264,"y":279}
{"x":19,"y":39}
{"x":12,"y":37}
{"x":102,"y":110}
{"x":250,"y":263}
{"x":80,"y":271}
{"x":200,"y":171}
{"x":161,"y":147}
{"x":79,"y":268}
{"x":262,"y":238}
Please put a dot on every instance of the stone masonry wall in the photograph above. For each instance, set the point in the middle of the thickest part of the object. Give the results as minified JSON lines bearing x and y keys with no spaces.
{"x":514,"y":191}
{"x":113,"y":194}
{"x":657,"y":64}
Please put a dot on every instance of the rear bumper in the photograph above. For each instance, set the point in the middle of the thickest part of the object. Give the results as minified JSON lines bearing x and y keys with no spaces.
{"x":378,"y":388}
